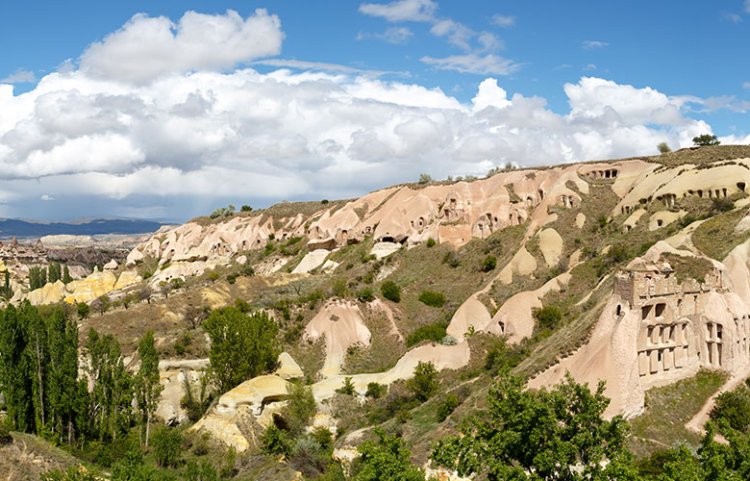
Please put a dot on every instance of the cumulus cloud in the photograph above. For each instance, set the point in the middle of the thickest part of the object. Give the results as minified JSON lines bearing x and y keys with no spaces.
{"x":402,"y":10}
{"x":46,"y":197}
{"x":196,"y":130}
{"x":503,"y":20}
{"x":19,"y":77}
{"x":148,"y":47}
{"x":308,"y":134}
{"x":593,"y":44}
{"x":475,"y":63}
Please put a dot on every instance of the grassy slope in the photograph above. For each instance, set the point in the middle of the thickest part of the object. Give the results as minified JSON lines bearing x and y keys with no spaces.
{"x":668,"y":408}
{"x":30,"y":456}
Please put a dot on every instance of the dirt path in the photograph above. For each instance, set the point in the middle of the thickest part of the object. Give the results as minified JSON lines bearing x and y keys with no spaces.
{"x":699,"y":420}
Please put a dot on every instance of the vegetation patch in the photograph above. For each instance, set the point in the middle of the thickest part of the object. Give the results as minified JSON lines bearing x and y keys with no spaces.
{"x":432,"y":298}
{"x":716,"y":236}
{"x":668,"y":408}
{"x":689,"y":267}
{"x":430,"y":332}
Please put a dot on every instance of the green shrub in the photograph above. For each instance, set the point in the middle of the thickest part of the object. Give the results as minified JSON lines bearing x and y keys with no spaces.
{"x":375,"y":390}
{"x":391,"y":291}
{"x":275,"y":441}
{"x":431,"y":242}
{"x":548,"y":317}
{"x":424,"y":383}
{"x":167,"y":444}
{"x":347,"y":388}
{"x":501,"y":357}
{"x":430,"y":332}
{"x":722,"y":205}
{"x":446,"y":407}
{"x":300,"y":408}
{"x":432,"y":299}
{"x":340,"y":288}
{"x":489,"y":263}
{"x":451,"y":258}
{"x":246,"y":208}
{"x":365,"y":295}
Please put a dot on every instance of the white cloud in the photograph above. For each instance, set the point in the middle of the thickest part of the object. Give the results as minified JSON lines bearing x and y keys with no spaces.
{"x":46,"y":197}
{"x":402,"y":10}
{"x":503,"y":20}
{"x":19,"y":77}
{"x":746,"y":85}
{"x":324,"y":132}
{"x":593,"y":44}
{"x":475,"y":63}
{"x":457,"y":33}
{"x":594,"y":97}
{"x":489,"y":42}
{"x":392,"y":35}
{"x":397,"y":35}
{"x":747,"y":6}
{"x":489,"y":94}
{"x":148,"y":47}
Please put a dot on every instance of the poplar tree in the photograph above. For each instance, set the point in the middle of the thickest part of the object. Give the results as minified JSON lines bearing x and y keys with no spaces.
{"x":147,"y":383}
{"x":13,"y":370}
{"x":111,"y":396}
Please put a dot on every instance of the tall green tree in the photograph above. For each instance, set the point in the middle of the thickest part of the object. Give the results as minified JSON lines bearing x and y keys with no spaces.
{"x":242,"y":345}
{"x":147,"y":387}
{"x":55,"y":272}
{"x":37,"y":353}
{"x":6,"y":291}
{"x":66,"y":275}
{"x":112,"y":395}
{"x":14,"y":363}
{"x":63,"y":376}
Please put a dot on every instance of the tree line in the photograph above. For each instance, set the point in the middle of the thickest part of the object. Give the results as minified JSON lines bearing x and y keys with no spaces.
{"x":44,"y":393}
{"x":39,"y":276}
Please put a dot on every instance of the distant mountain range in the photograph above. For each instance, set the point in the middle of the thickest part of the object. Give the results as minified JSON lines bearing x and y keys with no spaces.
{"x":25,"y":228}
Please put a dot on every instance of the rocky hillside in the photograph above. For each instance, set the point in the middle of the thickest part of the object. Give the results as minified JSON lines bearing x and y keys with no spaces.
{"x":635,"y":272}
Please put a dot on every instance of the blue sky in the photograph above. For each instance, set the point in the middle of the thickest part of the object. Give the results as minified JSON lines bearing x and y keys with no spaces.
{"x":590,"y":79}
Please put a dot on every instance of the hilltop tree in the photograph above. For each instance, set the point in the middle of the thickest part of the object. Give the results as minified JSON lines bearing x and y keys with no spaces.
{"x":705,"y":140}
{"x":663,"y":148}
{"x":242,"y":345}
{"x":147,"y":387}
